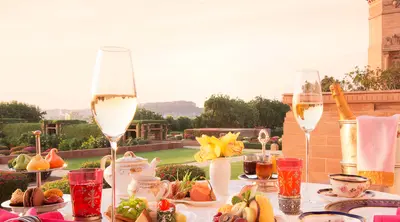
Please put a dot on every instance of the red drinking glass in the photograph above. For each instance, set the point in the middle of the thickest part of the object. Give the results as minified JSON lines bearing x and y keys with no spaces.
{"x":289,"y":176}
{"x":86,"y":186}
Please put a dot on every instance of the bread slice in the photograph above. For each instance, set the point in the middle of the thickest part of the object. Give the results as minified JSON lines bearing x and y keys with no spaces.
{"x":144,"y":217}
{"x":118,"y":217}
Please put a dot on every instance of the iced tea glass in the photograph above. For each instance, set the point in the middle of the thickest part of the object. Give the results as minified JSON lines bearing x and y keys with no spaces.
{"x":86,"y":187}
{"x":249,"y":164}
{"x":289,"y":176}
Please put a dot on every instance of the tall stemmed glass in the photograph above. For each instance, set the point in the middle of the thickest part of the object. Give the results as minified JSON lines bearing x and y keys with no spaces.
{"x":307,"y":106}
{"x":113,"y":99}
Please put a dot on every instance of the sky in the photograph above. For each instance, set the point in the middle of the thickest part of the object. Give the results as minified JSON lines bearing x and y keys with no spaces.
{"x":181,"y":49}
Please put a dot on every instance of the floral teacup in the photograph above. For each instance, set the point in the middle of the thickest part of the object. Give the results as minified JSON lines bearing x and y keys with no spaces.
{"x":350,"y":186}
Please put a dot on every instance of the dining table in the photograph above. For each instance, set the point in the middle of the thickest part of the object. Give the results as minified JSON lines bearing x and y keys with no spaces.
{"x":315,"y":203}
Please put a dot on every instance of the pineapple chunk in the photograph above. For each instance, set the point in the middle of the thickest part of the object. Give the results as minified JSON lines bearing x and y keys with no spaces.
{"x":180,"y":217}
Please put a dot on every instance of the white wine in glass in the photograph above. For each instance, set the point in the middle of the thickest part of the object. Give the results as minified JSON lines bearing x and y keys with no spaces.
{"x":307,"y":106}
{"x":113,"y":99}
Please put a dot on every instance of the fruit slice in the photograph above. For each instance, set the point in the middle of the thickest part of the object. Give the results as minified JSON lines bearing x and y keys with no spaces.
{"x":238,"y":208}
{"x":266,"y":210}
{"x":249,"y":214}
{"x":254,"y":205}
{"x":226,"y":208}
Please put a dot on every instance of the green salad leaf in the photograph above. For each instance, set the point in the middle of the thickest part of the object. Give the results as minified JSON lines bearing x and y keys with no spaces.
{"x":131,"y":208}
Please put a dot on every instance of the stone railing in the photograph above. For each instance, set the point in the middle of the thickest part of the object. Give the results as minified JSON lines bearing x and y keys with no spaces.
{"x":325,"y":148}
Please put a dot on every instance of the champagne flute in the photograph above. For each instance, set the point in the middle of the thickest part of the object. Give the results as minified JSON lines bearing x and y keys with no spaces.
{"x":307,"y":105}
{"x":113,"y":99}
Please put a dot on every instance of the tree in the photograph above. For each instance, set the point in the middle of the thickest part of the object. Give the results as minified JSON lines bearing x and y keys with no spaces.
{"x":368,"y":79}
{"x":390,"y":79}
{"x":173,"y":123}
{"x":184,"y":122}
{"x":222,"y":111}
{"x":362,"y":80}
{"x":145,"y":114}
{"x":19,"y":110}
{"x":271,"y":113}
{"x":326,"y":82}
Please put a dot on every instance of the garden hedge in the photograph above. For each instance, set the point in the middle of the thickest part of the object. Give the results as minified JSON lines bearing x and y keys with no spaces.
{"x":81,"y":131}
{"x":9,"y":182}
{"x":173,"y":172}
{"x":14,"y":130}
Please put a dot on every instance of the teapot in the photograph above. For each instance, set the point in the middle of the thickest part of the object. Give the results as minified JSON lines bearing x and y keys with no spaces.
{"x":127,"y":168}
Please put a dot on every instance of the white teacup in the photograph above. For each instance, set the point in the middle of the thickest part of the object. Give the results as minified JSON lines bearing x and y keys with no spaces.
{"x":350,"y":186}
{"x":151,"y":188}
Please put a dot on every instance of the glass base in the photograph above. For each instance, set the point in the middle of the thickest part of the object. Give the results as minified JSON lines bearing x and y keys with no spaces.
{"x":93,"y":219}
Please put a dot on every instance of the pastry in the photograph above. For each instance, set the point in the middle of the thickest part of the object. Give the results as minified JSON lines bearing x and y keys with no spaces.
{"x":54,"y":159}
{"x":38,"y":163}
{"x":33,"y":197}
{"x":53,"y":199}
{"x":52,"y":192}
{"x":17,"y":198}
{"x":21,"y":162}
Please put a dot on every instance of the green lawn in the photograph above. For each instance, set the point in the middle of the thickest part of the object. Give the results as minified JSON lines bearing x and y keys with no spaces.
{"x":236,"y":170}
{"x":181,"y":155}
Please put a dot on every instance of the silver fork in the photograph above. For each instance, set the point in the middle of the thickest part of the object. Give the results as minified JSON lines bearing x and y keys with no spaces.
{"x":25,"y":219}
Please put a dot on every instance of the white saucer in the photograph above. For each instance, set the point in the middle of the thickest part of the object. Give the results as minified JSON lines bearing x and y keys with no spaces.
{"x":328,"y":195}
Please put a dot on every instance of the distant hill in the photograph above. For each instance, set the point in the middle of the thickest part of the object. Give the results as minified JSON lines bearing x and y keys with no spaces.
{"x":175,"y":109}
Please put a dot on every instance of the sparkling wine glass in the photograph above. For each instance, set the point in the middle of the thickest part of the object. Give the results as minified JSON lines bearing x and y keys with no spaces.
{"x":307,"y":106}
{"x":113,"y":99}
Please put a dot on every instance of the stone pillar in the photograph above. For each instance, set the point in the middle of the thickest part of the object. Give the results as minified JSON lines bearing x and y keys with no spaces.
{"x":384,"y":26}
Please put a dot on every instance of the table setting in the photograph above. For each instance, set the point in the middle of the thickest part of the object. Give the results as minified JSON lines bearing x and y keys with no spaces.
{"x":272,"y":187}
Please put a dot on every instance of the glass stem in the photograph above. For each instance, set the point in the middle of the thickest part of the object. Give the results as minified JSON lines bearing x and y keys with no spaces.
{"x":113,"y":187}
{"x":307,"y":154}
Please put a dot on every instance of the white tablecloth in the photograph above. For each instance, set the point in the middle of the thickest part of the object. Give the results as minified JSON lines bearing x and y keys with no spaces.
{"x":206,"y":214}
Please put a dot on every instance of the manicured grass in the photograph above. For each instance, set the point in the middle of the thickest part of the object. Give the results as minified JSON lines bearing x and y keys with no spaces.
{"x":236,"y":170}
{"x":181,"y":155}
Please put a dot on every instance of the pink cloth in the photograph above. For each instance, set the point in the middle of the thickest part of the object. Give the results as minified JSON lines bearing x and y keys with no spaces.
{"x":376,"y":147}
{"x":46,"y":217}
{"x":388,"y":218}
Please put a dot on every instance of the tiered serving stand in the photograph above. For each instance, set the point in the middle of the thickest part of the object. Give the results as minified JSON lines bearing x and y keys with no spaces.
{"x":44,"y":208}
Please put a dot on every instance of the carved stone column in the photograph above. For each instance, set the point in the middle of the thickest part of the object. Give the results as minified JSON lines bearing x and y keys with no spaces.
{"x":386,"y":60}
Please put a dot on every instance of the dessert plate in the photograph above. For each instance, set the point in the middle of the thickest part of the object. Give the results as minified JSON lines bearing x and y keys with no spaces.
{"x":39,"y":209}
{"x":254,"y":178}
{"x":346,"y":206}
{"x":328,"y":195}
{"x":194,"y":203}
{"x":329,"y":216}
{"x":38,"y":171}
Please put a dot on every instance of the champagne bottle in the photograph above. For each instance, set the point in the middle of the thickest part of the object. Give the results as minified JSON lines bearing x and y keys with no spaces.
{"x":344,"y":110}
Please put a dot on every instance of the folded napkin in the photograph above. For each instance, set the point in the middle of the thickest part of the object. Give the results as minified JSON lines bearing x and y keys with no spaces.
{"x":46,"y":217}
{"x":388,"y":218}
{"x":376,"y":148}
